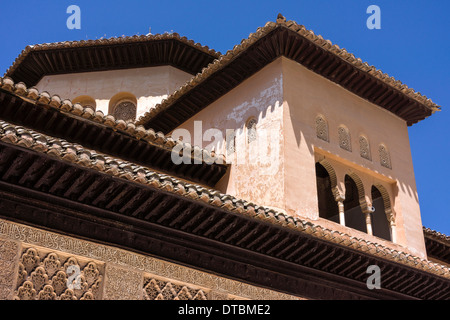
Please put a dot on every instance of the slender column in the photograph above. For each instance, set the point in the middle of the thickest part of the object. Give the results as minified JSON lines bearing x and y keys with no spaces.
{"x":393,"y":232}
{"x":341,"y":212}
{"x":367,"y":209}
{"x":369,"y":222}
{"x":339,"y":198}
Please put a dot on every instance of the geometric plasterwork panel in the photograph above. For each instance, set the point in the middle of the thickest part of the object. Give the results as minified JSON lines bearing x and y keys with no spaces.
{"x":53,"y":275}
{"x":40,"y":261}
{"x":122,"y":283}
{"x":385,"y":159}
{"x":364,"y":148}
{"x":157,"y":288}
{"x":321,"y":128}
{"x":9,"y":254}
{"x":344,"y":138}
{"x":125,"y":110}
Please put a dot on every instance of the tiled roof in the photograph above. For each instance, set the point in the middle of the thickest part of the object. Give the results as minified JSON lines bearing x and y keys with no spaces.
{"x":437,"y":235}
{"x":340,"y":53}
{"x":73,"y":153}
{"x":60,"y":57}
{"x":88,"y":114}
{"x":437,"y":245}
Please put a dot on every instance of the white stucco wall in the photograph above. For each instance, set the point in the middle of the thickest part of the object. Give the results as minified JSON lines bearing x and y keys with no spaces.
{"x":149,"y":85}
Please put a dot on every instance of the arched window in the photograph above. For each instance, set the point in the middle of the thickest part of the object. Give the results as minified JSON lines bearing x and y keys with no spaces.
{"x":354,"y":217}
{"x":380,"y":223}
{"x":385,"y":158}
{"x":364,"y":148}
{"x":322,"y":128}
{"x":344,"y":138}
{"x":85,"y":102}
{"x":251,"y":130}
{"x":124,"y":110}
{"x":123,"y":106}
{"x":328,"y":207}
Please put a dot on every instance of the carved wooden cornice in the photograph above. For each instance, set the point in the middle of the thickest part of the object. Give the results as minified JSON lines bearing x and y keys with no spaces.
{"x":40,"y":60}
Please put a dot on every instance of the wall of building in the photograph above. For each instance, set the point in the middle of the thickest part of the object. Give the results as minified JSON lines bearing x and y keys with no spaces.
{"x":306,"y":95}
{"x":148,"y":85}
{"x":277,"y":169}
{"x":285,"y":98}
{"x":36,"y":264}
{"x":257,"y":170}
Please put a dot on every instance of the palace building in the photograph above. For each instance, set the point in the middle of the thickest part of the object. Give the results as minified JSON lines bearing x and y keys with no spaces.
{"x":294,"y":178}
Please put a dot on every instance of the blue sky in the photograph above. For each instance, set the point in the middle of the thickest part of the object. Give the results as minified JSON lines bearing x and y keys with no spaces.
{"x":412,"y":45}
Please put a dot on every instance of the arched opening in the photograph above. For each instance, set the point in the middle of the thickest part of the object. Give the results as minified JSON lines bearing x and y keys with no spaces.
{"x":354,"y":217}
{"x":328,"y":207}
{"x":380,"y":222}
{"x":85,"y":102}
{"x":123,"y":106}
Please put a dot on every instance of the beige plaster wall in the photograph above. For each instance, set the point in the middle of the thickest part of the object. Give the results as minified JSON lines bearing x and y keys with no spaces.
{"x":306,"y":94}
{"x":257,"y":171}
{"x":149,"y":85}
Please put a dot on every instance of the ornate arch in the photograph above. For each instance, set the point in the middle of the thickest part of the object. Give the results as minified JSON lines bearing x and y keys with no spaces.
{"x":333,"y":178}
{"x":123,"y":106}
{"x":387,"y":202}
{"x":361,"y":192}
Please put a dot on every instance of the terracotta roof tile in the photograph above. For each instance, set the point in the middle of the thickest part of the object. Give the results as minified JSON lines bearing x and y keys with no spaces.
{"x":436,"y":235}
{"x":66,"y":151}
{"x":107,"y":42}
{"x":87,"y":114}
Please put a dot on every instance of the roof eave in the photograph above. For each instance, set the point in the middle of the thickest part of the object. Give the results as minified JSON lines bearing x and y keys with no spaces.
{"x":318,"y":55}
{"x":37,"y":61}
